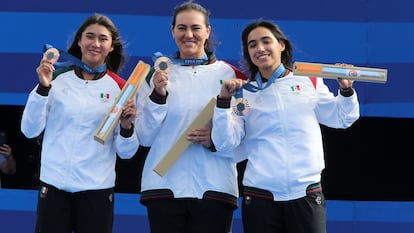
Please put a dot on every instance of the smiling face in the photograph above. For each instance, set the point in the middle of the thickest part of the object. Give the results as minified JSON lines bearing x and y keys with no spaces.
{"x":264,"y":50}
{"x":190,"y":33}
{"x":95,"y":44}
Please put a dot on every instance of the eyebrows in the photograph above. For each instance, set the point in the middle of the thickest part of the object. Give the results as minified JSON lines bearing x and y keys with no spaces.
{"x":189,"y":26}
{"x":93,"y":34}
{"x":263,"y":39}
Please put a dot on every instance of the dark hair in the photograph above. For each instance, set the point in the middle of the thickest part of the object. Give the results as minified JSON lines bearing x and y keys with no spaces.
{"x":190,"y":5}
{"x":247,"y":65}
{"x":115,"y":59}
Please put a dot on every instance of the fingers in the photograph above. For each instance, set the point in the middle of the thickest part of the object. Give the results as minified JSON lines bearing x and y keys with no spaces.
{"x":128,"y":110}
{"x":160,"y":81}
{"x":344,"y":83}
{"x":160,"y":78}
{"x":129,"y":103}
{"x":200,"y":136}
{"x":344,"y":64}
{"x":45,"y":71}
{"x":230,"y":86}
{"x":46,"y":65}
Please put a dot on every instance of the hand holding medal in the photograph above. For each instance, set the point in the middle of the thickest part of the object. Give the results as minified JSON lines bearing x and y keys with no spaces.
{"x":241,"y":107}
{"x":46,"y":67}
{"x":234,"y":87}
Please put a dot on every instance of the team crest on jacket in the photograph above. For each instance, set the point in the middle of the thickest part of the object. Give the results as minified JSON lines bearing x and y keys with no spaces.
{"x":295,"y":88}
{"x":105,"y":97}
{"x":43,"y":191}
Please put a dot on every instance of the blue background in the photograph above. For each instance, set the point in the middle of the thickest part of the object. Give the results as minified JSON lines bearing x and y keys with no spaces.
{"x":18,"y":215}
{"x":369,"y":33}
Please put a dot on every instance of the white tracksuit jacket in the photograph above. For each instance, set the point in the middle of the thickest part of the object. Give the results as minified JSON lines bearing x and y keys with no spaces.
{"x":69,"y":116}
{"x":281,"y":135}
{"x":159,"y":126}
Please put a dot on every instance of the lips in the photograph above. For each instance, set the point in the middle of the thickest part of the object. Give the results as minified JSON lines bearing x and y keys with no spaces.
{"x":262,"y":57}
{"x":93,"y":52}
{"x":189,"y":42}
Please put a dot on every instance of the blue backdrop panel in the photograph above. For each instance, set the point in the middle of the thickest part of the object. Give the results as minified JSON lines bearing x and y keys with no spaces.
{"x":360,"y":32}
{"x":18,"y":214}
{"x":316,"y":10}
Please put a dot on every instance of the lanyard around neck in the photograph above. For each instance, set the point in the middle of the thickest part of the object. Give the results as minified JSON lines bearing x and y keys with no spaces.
{"x":252,"y":88}
{"x":182,"y":61}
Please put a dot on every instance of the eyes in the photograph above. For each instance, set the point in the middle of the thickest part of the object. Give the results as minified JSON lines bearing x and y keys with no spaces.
{"x":93,"y":36}
{"x":193,"y":28}
{"x":264,"y":41}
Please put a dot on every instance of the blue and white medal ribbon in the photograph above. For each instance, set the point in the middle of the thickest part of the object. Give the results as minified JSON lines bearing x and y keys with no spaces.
{"x":50,"y":52}
{"x":241,"y":106}
{"x":252,"y":88}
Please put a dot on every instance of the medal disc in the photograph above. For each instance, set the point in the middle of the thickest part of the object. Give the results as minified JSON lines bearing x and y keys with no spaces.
{"x":241,"y":107}
{"x":163,"y":63}
{"x":52,"y":55}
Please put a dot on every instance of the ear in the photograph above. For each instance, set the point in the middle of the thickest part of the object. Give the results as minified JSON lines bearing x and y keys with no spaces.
{"x":208,"y":31}
{"x":282,"y":46}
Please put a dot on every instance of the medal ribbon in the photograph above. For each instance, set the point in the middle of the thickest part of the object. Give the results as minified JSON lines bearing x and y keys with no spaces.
{"x":72,"y":60}
{"x":185,"y":62}
{"x":252,"y":88}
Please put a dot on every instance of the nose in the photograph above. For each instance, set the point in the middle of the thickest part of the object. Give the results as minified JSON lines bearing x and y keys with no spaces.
{"x":95,"y":42}
{"x":188,"y":33}
{"x":260,"y":47}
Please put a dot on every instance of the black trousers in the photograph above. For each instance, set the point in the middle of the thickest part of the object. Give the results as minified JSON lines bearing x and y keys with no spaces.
{"x":82,"y":212}
{"x":189,"y":216}
{"x":303,"y":215}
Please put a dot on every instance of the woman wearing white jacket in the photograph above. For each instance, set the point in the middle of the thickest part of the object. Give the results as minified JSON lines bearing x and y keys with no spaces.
{"x":280,"y":135}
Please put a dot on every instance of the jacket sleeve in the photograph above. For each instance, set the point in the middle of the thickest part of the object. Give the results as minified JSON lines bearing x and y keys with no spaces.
{"x":228,"y":129}
{"x":336,"y":111}
{"x":126,"y":147}
{"x":34,"y":114}
{"x":150,"y":115}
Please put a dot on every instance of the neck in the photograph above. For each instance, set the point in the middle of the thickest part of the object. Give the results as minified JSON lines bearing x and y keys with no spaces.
{"x":194,"y":56}
{"x":272,"y":73}
{"x":88,"y":76}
